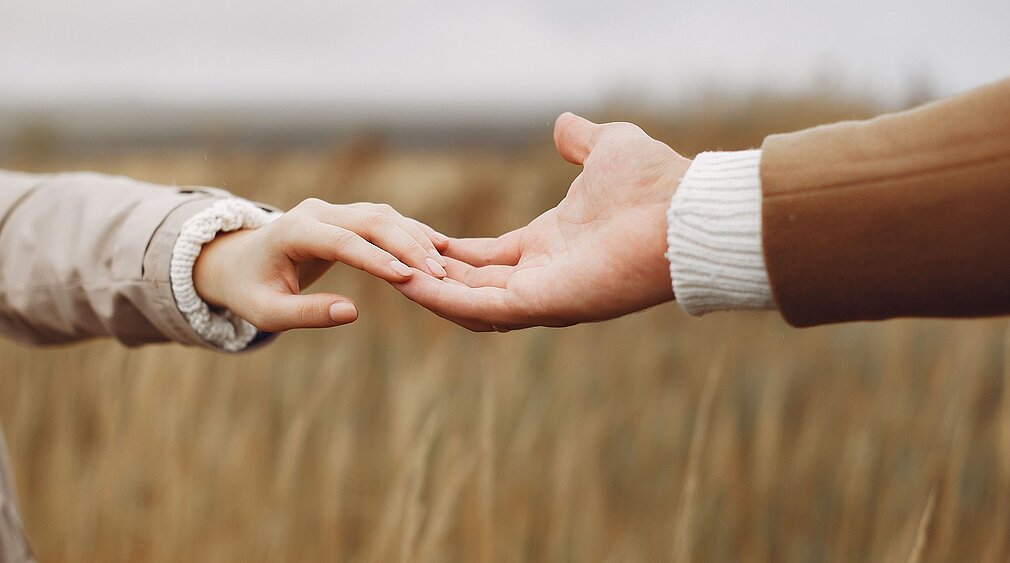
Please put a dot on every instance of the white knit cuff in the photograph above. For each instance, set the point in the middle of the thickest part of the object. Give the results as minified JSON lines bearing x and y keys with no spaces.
{"x":714,"y":235}
{"x":222,"y":329}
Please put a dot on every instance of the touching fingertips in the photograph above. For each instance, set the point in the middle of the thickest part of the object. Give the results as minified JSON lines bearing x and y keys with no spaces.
{"x":436,"y":269}
{"x":343,"y":312}
{"x":401,"y":269}
{"x":439,"y":239}
{"x":438,"y":257}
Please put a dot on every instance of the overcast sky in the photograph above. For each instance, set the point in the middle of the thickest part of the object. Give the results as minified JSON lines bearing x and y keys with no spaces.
{"x":570,"y":52}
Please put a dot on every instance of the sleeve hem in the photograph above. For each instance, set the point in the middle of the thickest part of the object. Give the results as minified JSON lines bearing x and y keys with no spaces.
{"x":221,"y":329}
{"x":714,"y":235}
{"x":167,"y":317}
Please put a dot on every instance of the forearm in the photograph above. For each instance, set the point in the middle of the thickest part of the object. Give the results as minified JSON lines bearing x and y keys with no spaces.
{"x":903,"y":215}
{"x":86,"y":255}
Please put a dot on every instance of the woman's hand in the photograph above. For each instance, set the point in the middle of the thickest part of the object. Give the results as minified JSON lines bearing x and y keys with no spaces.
{"x":259,"y":274}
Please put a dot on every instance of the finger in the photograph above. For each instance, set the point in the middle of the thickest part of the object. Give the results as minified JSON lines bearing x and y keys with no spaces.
{"x":278,"y":312}
{"x":383,"y":230}
{"x":469,"y":325}
{"x":414,"y":228}
{"x":438,"y":239}
{"x":504,"y":250}
{"x":409,"y":225}
{"x":494,"y":275}
{"x":337,"y":244}
{"x":575,"y":137}
{"x":472,"y":326}
{"x":474,"y":305}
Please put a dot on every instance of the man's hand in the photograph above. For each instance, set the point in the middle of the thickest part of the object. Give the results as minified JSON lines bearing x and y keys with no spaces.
{"x":259,"y":274}
{"x":598,"y":255}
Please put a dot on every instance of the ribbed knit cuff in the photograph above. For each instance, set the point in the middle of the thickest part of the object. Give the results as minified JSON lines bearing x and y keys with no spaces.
{"x":222,"y":329}
{"x":714,"y":235}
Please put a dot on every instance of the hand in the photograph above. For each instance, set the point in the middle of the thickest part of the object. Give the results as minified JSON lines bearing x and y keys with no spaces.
{"x":598,"y":255}
{"x":259,"y":274}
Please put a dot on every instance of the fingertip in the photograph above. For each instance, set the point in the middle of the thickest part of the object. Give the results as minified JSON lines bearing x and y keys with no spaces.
{"x":574,"y":137}
{"x":565,"y":115}
{"x":400,"y":269}
{"x":435,"y":268}
{"x":343,"y":312}
{"x":559,"y":124}
{"x":441,"y":244}
{"x":564,"y":122}
{"x":438,"y":257}
{"x":437,"y":238}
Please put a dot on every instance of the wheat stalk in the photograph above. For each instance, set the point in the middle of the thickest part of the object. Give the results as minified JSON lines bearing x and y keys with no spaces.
{"x":681,"y":538}
{"x":920,"y":535}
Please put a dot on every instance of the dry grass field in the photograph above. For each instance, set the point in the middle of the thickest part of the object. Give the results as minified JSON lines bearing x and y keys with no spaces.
{"x":655,"y":437}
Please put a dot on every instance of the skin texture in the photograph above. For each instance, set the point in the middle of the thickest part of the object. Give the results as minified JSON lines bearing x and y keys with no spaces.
{"x":598,"y":255}
{"x":259,"y":274}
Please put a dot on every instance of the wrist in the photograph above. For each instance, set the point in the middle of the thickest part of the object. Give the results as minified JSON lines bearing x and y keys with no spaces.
{"x":211,"y":267}
{"x":669,"y":183}
{"x":203,"y":239}
{"x":715,"y":250}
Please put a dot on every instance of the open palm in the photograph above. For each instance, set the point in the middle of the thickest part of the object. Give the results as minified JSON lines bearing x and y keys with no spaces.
{"x":598,"y":255}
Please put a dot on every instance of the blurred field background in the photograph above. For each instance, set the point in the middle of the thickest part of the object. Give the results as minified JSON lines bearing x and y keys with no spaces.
{"x":655,"y":437}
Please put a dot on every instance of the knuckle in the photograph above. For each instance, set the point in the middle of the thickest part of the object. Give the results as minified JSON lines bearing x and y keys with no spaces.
{"x":629,"y":129}
{"x":294,"y":235}
{"x":380,"y":258}
{"x":311,"y":204}
{"x":380,"y":221}
{"x":290,"y":216}
{"x":383,"y":208}
{"x":342,"y":239}
{"x":308,"y":314}
{"x":417,"y":248}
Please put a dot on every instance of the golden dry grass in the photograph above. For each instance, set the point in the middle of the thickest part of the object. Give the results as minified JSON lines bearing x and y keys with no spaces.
{"x":402,"y":437}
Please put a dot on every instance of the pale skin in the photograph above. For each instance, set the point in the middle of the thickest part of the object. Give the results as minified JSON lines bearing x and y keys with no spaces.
{"x":259,"y":274}
{"x":597,"y":255}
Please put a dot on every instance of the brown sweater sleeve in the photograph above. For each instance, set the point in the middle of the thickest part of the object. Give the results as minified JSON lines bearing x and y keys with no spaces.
{"x":903,"y":215}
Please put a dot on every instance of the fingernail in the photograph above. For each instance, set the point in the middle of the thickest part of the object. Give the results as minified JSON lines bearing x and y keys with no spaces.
{"x":438,"y":257}
{"x":340,"y":310}
{"x":399,"y":268}
{"x":435,"y":268}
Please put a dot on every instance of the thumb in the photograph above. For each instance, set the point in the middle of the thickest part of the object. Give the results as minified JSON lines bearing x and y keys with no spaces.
{"x":575,"y":137}
{"x":279,"y":312}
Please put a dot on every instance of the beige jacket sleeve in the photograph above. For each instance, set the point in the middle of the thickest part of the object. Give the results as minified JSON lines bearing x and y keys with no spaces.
{"x":84,"y":255}
{"x":903,"y":215}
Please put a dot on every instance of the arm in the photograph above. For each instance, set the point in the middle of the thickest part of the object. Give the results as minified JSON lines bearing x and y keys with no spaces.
{"x":87,"y":255}
{"x":907,"y":214}
{"x":903,"y":215}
